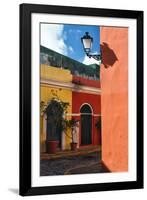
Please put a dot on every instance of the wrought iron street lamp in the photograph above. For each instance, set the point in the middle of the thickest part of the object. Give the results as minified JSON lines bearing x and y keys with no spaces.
{"x":87,"y":41}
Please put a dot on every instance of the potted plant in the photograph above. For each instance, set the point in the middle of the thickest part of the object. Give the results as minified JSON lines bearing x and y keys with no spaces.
{"x":55,"y":115}
{"x":98,"y":125}
{"x":72,"y":124}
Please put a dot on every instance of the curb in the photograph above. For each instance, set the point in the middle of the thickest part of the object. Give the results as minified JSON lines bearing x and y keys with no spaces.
{"x":69,"y":154}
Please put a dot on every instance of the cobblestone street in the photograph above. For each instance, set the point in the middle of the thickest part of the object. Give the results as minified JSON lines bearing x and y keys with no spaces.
{"x":88,"y":163}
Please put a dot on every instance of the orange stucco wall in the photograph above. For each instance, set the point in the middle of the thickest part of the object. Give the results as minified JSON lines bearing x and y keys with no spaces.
{"x":114,"y":97}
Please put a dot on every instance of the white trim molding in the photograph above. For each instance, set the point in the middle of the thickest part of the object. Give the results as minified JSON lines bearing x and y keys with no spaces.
{"x":79,"y":114}
{"x":89,"y":106}
{"x":72,"y":86}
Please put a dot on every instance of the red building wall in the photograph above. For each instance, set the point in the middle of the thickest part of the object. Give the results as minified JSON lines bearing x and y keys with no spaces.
{"x":83,"y":81}
{"x":79,"y":98}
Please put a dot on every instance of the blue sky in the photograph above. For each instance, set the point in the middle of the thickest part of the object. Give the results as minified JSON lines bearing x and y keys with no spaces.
{"x":66,"y":39}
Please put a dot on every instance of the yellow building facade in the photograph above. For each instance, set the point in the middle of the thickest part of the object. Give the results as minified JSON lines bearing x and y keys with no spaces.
{"x":53,"y":81}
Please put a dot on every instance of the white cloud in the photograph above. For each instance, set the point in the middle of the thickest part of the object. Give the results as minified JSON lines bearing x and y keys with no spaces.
{"x":65,"y":35}
{"x":52,"y":37}
{"x":89,"y":61}
{"x":70,"y":49}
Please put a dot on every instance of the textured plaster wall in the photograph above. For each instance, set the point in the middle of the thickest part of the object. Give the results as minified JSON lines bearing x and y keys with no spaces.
{"x":56,"y":74}
{"x":46,"y":93}
{"x":94,"y":101}
{"x":85,"y":81}
{"x":114,"y":97}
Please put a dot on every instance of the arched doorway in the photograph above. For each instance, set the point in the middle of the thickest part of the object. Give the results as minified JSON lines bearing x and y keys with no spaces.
{"x":86,"y":124}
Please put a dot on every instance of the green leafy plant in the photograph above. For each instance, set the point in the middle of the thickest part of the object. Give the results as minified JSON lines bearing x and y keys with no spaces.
{"x":72,"y":124}
{"x":55,"y":110}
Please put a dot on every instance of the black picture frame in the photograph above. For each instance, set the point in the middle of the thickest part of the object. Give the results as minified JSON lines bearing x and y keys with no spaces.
{"x":26,"y":11}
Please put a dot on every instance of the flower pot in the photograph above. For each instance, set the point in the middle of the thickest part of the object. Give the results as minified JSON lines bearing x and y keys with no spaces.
{"x":51,"y":146}
{"x":73,"y":146}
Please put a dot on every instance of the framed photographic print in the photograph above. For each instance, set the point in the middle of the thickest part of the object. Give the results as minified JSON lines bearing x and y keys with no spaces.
{"x":81,"y":99}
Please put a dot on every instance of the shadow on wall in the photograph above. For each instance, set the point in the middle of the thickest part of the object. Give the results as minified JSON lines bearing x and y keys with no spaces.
{"x":108,"y":55}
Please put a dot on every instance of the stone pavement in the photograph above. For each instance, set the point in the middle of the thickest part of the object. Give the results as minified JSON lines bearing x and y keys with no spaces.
{"x":96,"y":167}
{"x":69,"y":153}
{"x":80,"y":162}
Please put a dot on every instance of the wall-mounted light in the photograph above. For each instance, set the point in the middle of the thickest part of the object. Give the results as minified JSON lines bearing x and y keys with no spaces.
{"x":87,"y":41}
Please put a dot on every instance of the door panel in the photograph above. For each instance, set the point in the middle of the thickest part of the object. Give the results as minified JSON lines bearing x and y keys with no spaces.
{"x":86,"y":129}
{"x":86,"y":125}
{"x":51,"y":135}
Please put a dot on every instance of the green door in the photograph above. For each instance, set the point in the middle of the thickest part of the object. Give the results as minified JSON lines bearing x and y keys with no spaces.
{"x":86,"y":125}
{"x":54,"y":130}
